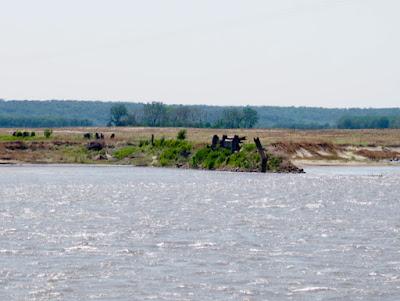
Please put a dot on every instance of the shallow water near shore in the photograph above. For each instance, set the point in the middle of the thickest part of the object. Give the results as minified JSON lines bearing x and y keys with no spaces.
{"x":125,"y":233}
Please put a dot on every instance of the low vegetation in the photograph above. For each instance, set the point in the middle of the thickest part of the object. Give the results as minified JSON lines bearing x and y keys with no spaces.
{"x":177,"y":147}
{"x":47,"y":133}
{"x":247,"y":159}
{"x":163,"y":152}
{"x":124,"y":152}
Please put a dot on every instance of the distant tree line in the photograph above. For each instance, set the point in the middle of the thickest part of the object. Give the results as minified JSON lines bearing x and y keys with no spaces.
{"x":69,"y":113}
{"x":157,"y":114}
{"x":369,"y":122}
{"x":40,"y":122}
{"x":302,"y":126}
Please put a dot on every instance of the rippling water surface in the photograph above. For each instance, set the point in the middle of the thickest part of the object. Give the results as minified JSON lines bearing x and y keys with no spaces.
{"x":123,"y":233}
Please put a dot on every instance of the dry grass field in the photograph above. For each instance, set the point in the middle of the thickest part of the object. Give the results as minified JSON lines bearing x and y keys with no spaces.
{"x":389,"y":137}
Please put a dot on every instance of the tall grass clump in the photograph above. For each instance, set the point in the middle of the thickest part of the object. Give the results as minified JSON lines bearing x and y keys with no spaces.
{"x":173,"y":152}
{"x":274,"y":163}
{"x":210,"y":159}
{"x":247,"y":159}
{"x":181,"y":135}
{"x":124,"y":152}
{"x":47,"y":133}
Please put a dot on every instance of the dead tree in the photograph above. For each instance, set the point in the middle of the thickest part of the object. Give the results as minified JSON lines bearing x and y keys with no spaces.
{"x":263,"y":156}
{"x":232,"y":144}
{"x":223,"y":141}
{"x":236,"y":141}
{"x":214,"y":142}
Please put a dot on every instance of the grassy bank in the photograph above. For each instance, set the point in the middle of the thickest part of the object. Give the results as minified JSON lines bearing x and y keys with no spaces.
{"x":134,"y":146}
{"x":72,"y":147}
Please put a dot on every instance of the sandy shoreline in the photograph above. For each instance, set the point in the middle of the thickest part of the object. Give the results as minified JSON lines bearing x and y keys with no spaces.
{"x":321,"y":163}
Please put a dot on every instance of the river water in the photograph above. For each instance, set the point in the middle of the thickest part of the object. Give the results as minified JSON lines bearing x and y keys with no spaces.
{"x":125,"y":233}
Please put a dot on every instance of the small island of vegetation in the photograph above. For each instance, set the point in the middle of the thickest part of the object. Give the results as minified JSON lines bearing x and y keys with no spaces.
{"x":179,"y":152}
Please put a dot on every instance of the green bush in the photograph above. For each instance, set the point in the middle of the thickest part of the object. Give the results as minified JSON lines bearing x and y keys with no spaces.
{"x":181,"y":135}
{"x":209,"y":158}
{"x":159,"y":142}
{"x":173,"y":151}
{"x":47,"y":133}
{"x":246,"y":159}
{"x":249,"y":147}
{"x":124,"y":152}
{"x":144,"y":143}
{"x":274,"y":163}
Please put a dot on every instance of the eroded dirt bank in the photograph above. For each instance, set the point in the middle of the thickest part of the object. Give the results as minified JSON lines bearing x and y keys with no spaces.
{"x":325,"y":153}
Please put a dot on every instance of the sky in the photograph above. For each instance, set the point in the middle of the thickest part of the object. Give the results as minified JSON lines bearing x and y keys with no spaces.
{"x":327,"y":53}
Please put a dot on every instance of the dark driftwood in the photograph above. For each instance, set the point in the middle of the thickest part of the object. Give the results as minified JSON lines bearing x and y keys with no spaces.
{"x":223,"y":143}
{"x":95,"y":145}
{"x":263,"y":156}
{"x":226,"y":142}
{"x":214,"y":142}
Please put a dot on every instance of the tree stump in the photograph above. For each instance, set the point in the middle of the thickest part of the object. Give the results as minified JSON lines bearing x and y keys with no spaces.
{"x":263,"y":156}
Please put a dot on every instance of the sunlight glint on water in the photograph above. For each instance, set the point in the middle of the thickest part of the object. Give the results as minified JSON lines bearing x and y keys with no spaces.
{"x":123,"y":233}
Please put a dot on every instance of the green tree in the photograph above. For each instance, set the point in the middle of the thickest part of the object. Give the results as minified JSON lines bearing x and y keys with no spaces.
{"x":155,"y":114}
{"x":119,"y":115}
{"x":249,"y":118}
{"x":179,"y":116}
{"x":181,"y":135}
{"x":383,"y":123}
{"x":231,"y":119}
{"x":47,"y":133}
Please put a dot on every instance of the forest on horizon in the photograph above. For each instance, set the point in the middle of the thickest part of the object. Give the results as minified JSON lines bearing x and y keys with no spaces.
{"x":68,"y":113}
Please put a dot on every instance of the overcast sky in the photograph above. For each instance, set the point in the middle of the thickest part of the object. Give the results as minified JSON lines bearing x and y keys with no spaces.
{"x":330,"y":53}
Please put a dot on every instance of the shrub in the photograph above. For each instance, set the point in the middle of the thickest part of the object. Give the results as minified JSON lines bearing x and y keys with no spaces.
{"x":124,"y":152}
{"x":209,"y":158}
{"x":47,"y":133}
{"x":274,"y":163}
{"x":181,"y":135}
{"x":246,"y":159}
{"x":174,"y":151}
{"x":143,"y":143}
{"x":159,"y":142}
{"x":33,"y":134}
{"x":200,"y":156}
